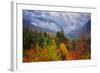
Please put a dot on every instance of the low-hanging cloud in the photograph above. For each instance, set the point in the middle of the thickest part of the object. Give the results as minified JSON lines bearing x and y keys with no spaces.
{"x":56,"y":21}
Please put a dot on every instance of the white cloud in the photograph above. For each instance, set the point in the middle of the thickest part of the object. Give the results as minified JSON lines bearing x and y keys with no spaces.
{"x":35,"y":24}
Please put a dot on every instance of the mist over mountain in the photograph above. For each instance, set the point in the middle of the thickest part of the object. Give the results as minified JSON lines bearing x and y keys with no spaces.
{"x":73,"y":24}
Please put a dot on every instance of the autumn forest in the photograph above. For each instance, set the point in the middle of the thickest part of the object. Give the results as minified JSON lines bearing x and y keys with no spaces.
{"x":44,"y":42}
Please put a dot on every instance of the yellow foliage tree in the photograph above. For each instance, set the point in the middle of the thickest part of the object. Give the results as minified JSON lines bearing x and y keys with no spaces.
{"x":53,"y":52}
{"x":64,"y":50}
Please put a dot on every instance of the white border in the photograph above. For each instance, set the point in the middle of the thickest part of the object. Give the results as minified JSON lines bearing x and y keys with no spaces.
{"x":17,"y":62}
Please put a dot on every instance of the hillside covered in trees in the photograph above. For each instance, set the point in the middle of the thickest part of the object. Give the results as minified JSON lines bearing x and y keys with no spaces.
{"x":43,"y":46}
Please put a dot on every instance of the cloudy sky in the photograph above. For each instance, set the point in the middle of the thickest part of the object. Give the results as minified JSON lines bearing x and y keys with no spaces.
{"x":56,"y":21}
